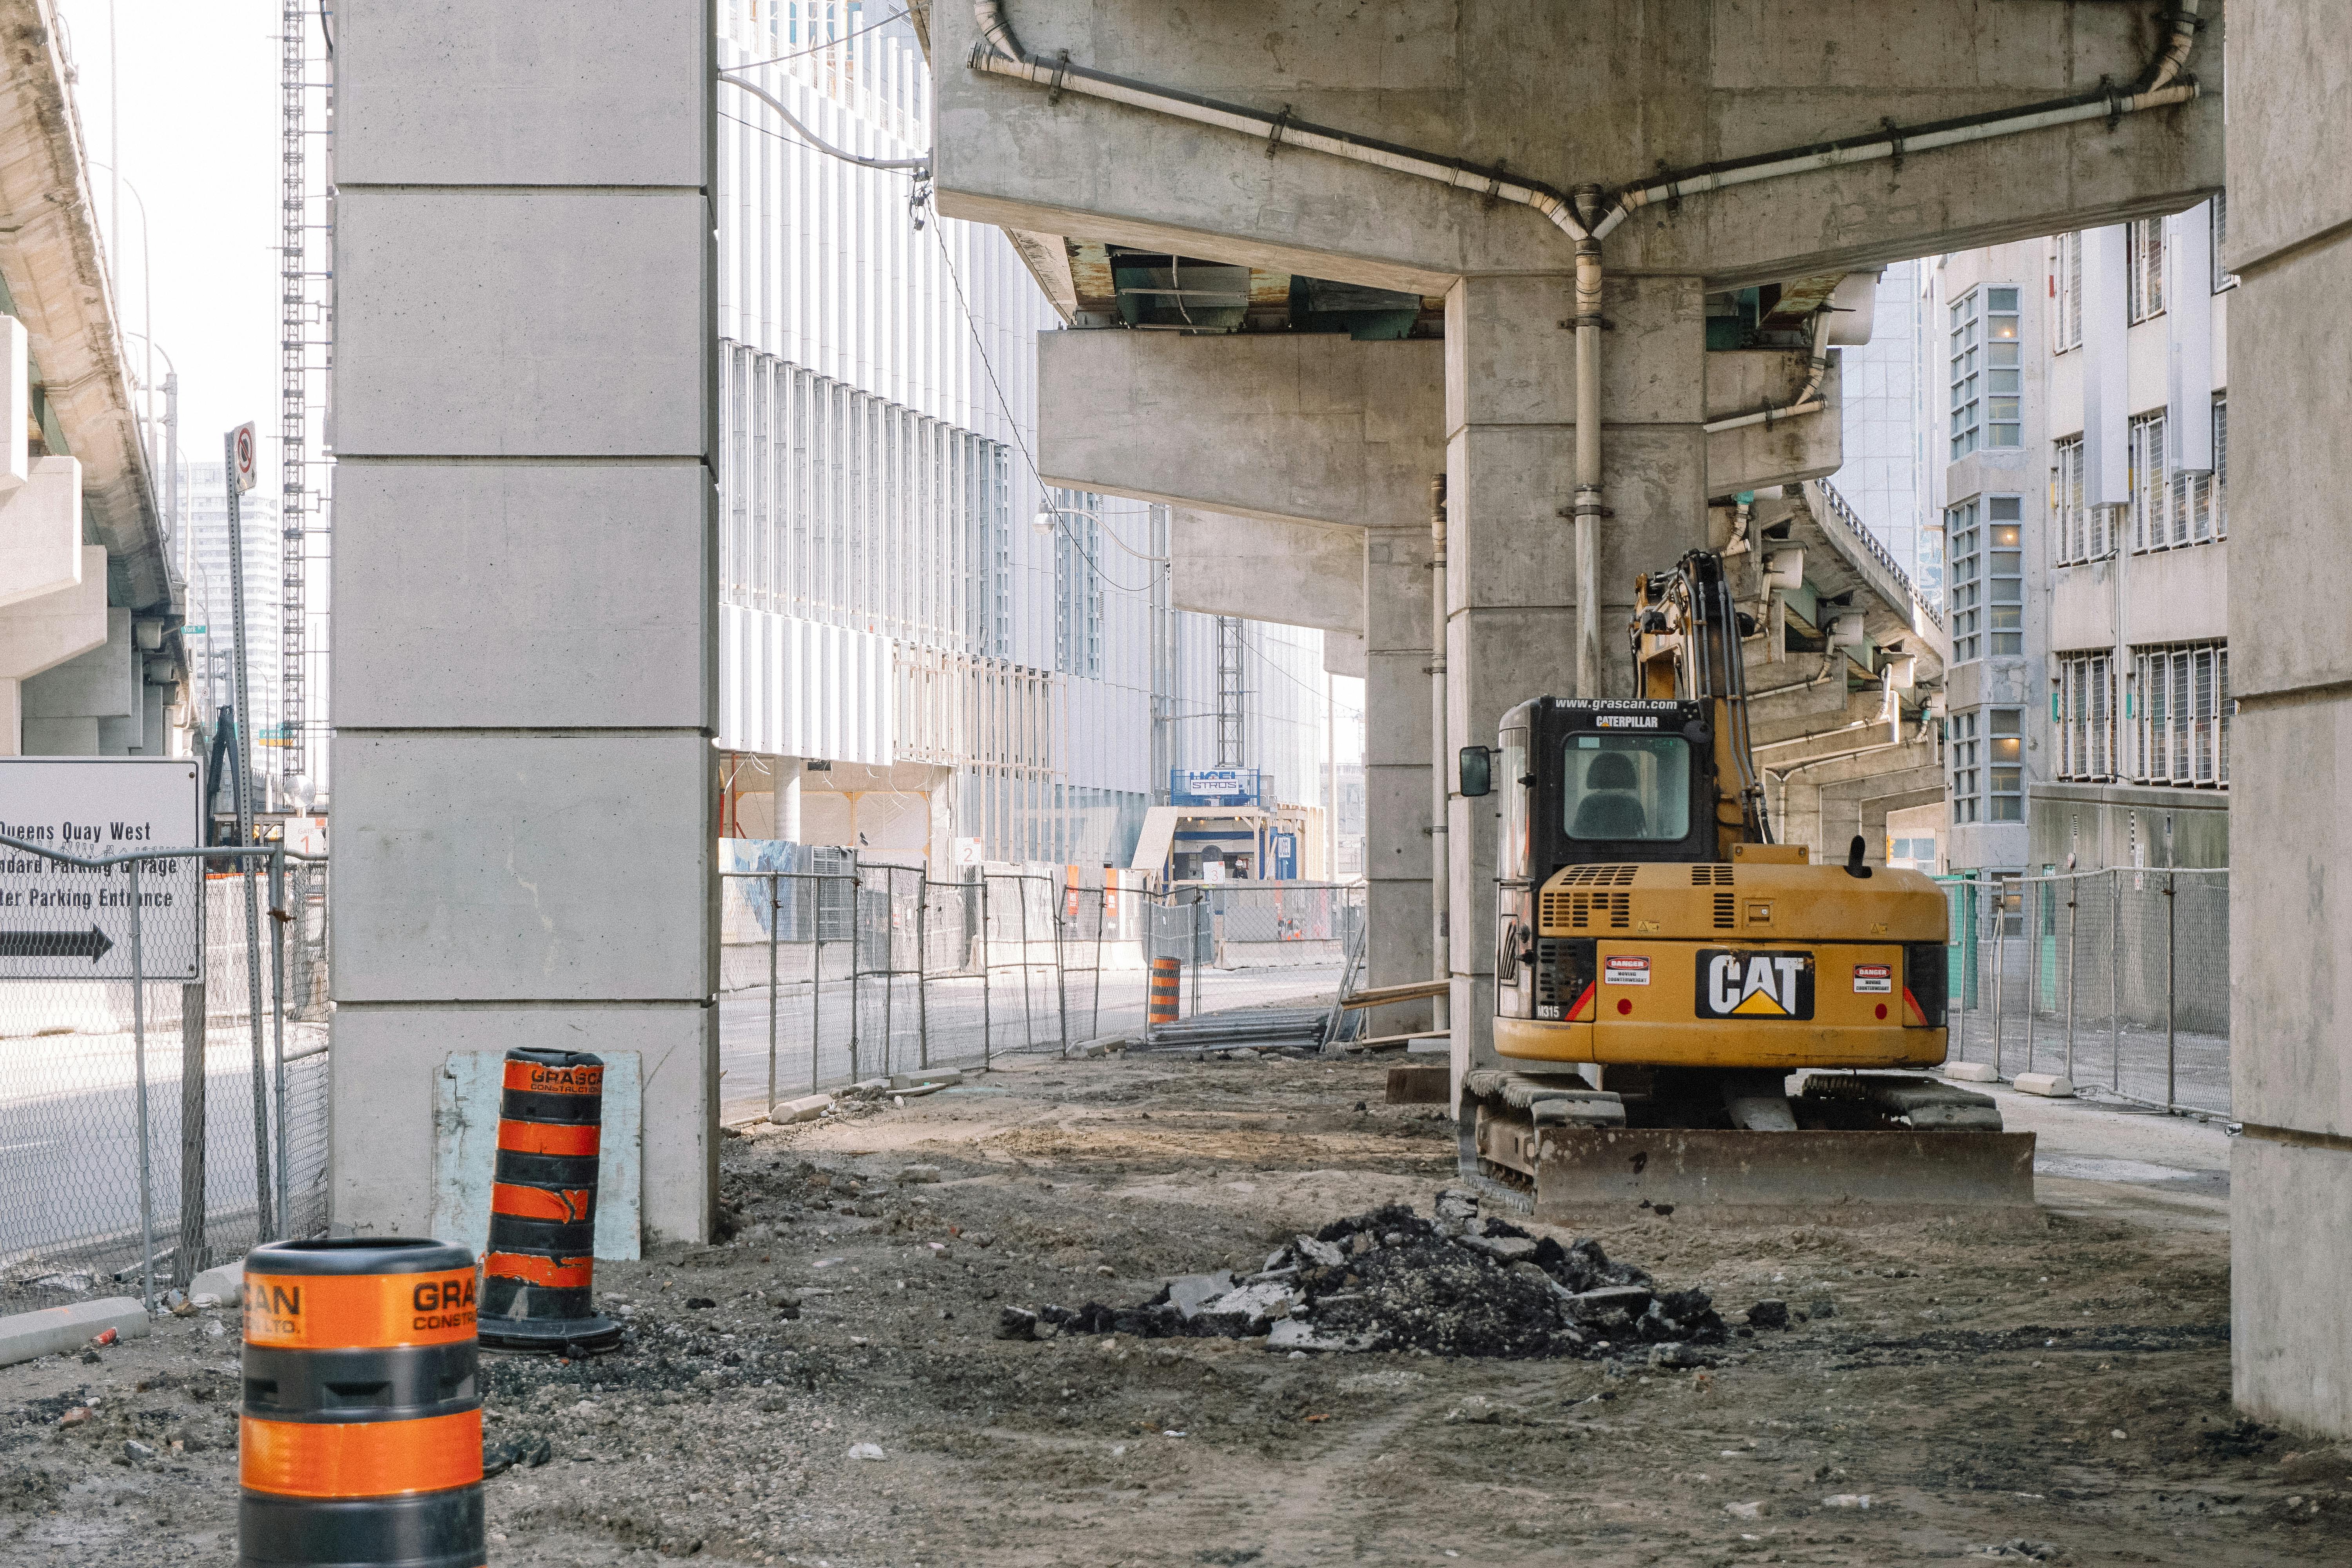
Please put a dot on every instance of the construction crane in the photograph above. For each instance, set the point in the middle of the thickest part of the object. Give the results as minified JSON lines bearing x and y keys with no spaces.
{"x":1662,"y":969}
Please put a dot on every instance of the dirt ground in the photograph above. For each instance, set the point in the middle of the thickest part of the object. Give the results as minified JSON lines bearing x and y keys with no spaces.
{"x":2059,"y":1392}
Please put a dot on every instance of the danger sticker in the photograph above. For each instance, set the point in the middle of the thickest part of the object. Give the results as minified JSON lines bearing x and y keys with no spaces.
{"x":1625,"y":971}
{"x":1873,"y":979}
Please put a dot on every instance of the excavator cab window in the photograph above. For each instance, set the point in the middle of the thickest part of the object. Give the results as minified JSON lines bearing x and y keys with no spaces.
{"x":1626,"y":789}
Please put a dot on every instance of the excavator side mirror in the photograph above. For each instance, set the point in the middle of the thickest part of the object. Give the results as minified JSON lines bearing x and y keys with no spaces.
{"x":1477,"y":770}
{"x":1854,"y":854}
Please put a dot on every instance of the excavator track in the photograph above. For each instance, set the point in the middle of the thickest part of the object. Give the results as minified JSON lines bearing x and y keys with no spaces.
{"x":1868,"y":1148}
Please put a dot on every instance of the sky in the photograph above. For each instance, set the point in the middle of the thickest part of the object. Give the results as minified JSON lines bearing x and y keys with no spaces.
{"x":199,"y":127}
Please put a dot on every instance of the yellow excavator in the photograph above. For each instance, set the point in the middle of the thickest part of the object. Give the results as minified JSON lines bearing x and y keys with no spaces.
{"x":1665,"y":972}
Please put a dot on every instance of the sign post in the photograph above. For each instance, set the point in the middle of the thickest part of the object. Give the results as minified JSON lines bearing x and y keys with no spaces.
{"x":240,"y":457}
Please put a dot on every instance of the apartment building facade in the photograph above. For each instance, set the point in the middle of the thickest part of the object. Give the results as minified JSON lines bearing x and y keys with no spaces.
{"x":2083,"y":498}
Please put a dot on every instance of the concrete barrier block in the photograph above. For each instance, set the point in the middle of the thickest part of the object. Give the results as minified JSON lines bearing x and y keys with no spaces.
{"x":2049,"y":1085}
{"x":222,"y":1281}
{"x":1970,"y":1072}
{"x":53,"y":1328}
{"x":912,"y":1079}
{"x":807,"y":1108}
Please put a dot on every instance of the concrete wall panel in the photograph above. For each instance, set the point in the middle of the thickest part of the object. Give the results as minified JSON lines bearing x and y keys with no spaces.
{"x":505,"y":868}
{"x":586,"y":616}
{"x":2287,"y":1339}
{"x":386,"y":1059}
{"x":457,"y":92}
{"x":450,"y":343}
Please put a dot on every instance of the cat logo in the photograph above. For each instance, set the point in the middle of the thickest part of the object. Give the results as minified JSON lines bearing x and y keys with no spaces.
{"x":1755,"y":984}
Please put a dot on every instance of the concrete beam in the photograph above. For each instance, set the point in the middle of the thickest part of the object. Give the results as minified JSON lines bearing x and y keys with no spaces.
{"x":101,"y":684}
{"x":1297,"y":427}
{"x":1297,"y":574}
{"x":53,"y":262}
{"x":1656,"y":87}
{"x":41,"y":634}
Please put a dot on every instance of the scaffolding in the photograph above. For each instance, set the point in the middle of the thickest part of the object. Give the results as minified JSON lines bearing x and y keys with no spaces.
{"x":1230,"y":633}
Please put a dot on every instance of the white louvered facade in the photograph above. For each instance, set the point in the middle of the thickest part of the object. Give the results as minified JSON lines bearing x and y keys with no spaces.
{"x":885,"y":596}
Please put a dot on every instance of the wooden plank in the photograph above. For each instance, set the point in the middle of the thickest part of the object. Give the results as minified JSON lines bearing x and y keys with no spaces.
{"x":1381,"y":996}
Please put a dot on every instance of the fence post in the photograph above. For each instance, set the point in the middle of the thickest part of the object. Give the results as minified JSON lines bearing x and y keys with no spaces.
{"x":1102,"y":918}
{"x":1061,"y":979}
{"x":856,"y":886}
{"x":2028,"y":910}
{"x":2000,"y":975}
{"x":987,"y":1023}
{"x":139,"y":1056}
{"x":1967,"y":923}
{"x":277,"y":918}
{"x":1028,"y":1015}
{"x":2074,"y":924}
{"x":2115,"y":978}
{"x":2172,"y":913}
{"x":817,"y":983}
{"x":262,"y":1227}
{"x":192,"y":1256}
{"x":923,"y":970}
{"x":1192,"y":957}
{"x":775,"y":935}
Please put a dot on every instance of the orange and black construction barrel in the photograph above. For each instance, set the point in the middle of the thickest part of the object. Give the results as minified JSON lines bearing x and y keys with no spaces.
{"x":539,"y":1273}
{"x":1167,"y":984}
{"x":361,"y":1437}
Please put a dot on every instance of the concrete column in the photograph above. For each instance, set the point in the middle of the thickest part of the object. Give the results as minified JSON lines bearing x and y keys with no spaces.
{"x":1511,"y":615}
{"x":524,"y":783}
{"x":2290,"y":243}
{"x":1397,"y":849}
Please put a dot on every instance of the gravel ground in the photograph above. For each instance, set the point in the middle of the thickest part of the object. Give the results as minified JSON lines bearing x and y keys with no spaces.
{"x":2057,"y":1393}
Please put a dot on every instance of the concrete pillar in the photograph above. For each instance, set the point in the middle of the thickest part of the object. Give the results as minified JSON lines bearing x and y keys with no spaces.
{"x":2290,"y":243}
{"x":1511,"y":615}
{"x":525,"y":786}
{"x":1397,"y":848}
{"x":788,"y":799}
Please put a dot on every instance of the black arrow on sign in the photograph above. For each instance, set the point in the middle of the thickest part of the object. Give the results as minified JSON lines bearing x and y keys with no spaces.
{"x":92,"y":944}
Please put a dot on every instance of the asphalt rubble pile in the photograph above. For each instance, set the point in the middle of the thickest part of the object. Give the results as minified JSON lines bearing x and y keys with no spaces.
{"x":1455,"y":1285}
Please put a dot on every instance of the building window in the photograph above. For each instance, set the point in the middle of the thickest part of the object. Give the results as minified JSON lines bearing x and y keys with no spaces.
{"x":2078,"y":532}
{"x":1964,"y":526}
{"x":2005,"y":573}
{"x":2181,"y":699}
{"x":2086,"y":688}
{"x":1985,"y":377}
{"x":2005,"y":775}
{"x":2155,"y":524}
{"x":2214,"y":516}
{"x":2144,"y":268}
{"x":2066,"y":293}
{"x":1966,"y":775}
{"x":2218,"y":220}
{"x":1077,"y":584}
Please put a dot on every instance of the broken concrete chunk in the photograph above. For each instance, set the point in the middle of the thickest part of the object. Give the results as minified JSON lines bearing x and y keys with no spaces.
{"x":1501,"y":1248}
{"x":1013,"y":1323}
{"x":1456,"y":1205}
{"x":1769,"y":1314}
{"x":867,"y":1451}
{"x":1322,"y":1254}
{"x":1192,"y":1293}
{"x":1257,"y":1303}
{"x":1588,"y":1305}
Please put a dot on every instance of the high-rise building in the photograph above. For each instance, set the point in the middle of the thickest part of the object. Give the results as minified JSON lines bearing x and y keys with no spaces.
{"x":2081,"y":480}
{"x":203,"y":558}
{"x":1879,"y":393}
{"x":923,"y":647}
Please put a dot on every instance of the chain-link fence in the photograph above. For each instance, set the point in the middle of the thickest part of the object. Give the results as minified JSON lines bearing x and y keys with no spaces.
{"x":2119,"y":980}
{"x":163,"y":1062}
{"x":842,"y":966}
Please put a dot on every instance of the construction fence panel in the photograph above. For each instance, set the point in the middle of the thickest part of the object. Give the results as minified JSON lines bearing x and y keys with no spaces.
{"x":2118,"y":980}
{"x":154,"y":1123}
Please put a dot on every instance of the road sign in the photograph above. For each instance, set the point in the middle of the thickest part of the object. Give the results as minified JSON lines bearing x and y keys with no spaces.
{"x":60,"y":921}
{"x":242,"y":455}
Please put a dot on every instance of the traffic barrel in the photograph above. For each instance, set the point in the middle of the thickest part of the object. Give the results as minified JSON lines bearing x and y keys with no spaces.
{"x":538,"y":1275}
{"x":360,"y":1440}
{"x":1167,"y":983}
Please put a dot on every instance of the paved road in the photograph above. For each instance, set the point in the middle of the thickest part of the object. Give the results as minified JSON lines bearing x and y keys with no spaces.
{"x":69,"y":1147}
